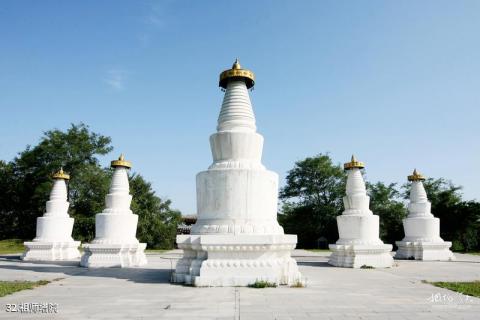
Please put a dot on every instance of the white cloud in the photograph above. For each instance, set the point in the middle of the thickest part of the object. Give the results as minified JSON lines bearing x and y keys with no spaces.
{"x":116,"y":78}
{"x":156,"y":17}
{"x":154,"y":20}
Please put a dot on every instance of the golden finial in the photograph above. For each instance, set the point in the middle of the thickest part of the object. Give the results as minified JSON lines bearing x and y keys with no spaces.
{"x":236,"y":64}
{"x":237,"y":73}
{"x":121,"y":162}
{"x":61,"y":175}
{"x":354,"y":163}
{"x":416,"y":176}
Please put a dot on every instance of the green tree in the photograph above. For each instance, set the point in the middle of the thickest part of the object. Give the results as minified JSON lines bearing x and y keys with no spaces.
{"x":157,"y":223}
{"x":87,"y":190}
{"x":312,"y":199}
{"x":386,"y":202}
{"x":8,"y":198}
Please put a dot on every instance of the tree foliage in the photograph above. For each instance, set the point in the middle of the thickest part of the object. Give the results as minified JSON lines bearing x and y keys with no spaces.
{"x":386,"y":201}
{"x":25,"y":185}
{"x":312,"y":200}
{"x":157,"y":223}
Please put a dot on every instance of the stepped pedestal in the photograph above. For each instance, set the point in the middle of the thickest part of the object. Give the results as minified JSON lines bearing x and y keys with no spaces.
{"x":236,"y":260}
{"x":236,"y":240}
{"x":54,"y":230}
{"x":115,"y":243}
{"x":359,"y":244}
{"x":422,"y":230}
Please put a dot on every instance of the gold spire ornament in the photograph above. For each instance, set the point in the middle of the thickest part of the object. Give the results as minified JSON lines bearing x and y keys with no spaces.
{"x":61,"y":175}
{"x":353,"y":164}
{"x":416,"y":176}
{"x":237,"y":73}
{"x":121,"y":162}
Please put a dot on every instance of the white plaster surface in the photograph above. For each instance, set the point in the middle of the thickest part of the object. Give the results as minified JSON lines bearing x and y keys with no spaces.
{"x":359,"y":243}
{"x":53,"y":239}
{"x":422,"y":230}
{"x":331,"y":293}
{"x":115,"y":243}
{"x":236,"y":240}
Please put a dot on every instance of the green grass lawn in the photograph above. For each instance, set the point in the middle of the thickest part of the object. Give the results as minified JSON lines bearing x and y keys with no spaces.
{"x":477,"y":253}
{"x":16,"y":246}
{"x":468,"y":288}
{"x":9,"y":287}
{"x":11,"y":246}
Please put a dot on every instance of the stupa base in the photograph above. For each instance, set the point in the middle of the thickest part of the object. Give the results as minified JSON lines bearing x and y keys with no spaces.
{"x":427,"y":251}
{"x":361,"y":255}
{"x":113,"y":255}
{"x":51,"y":251}
{"x":236,"y":260}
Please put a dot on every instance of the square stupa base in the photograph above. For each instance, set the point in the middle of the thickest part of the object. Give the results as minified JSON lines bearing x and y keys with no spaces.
{"x":427,"y":251}
{"x":236,"y":260}
{"x":113,"y":255}
{"x":361,"y":255}
{"x":51,"y":251}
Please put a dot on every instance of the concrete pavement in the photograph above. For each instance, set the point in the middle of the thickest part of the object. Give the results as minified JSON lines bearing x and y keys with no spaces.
{"x":331,"y":293}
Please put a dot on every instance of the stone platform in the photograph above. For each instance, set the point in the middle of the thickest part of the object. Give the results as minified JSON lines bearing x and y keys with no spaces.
{"x":236,"y":260}
{"x":113,"y":255}
{"x":331,"y":293}
{"x":429,"y":251}
{"x":359,"y":255}
{"x":51,"y":251}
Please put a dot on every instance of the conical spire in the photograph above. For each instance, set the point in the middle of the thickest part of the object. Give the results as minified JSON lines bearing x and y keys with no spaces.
{"x":57,"y":203}
{"x":236,"y":113}
{"x":417,"y":191}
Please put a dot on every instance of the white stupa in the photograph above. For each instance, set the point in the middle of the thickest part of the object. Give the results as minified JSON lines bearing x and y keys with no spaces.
{"x":54,"y":230}
{"x":236,"y":239}
{"x":359,"y":244}
{"x":422,"y":230}
{"x":115,"y":243}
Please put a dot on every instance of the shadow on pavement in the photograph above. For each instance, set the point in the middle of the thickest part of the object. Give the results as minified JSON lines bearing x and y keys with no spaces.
{"x":72,"y":268}
{"x":315,"y":264}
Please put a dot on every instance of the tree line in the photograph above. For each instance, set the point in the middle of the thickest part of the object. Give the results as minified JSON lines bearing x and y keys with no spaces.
{"x":310,"y":201}
{"x":313,"y":194}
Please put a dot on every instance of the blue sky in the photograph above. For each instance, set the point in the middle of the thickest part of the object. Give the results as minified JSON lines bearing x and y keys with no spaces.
{"x":395,"y":82}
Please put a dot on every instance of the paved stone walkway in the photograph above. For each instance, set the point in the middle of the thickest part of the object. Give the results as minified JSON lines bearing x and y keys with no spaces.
{"x":331,"y":293}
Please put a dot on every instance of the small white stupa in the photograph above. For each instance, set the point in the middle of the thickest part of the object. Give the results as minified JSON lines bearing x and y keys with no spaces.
{"x":422,"y":230}
{"x":115,"y":243}
{"x":236,"y":240}
{"x":359,"y":244}
{"x":54,"y":230}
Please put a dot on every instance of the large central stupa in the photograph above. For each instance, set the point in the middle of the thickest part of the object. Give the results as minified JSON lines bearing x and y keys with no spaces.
{"x":236,"y":240}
